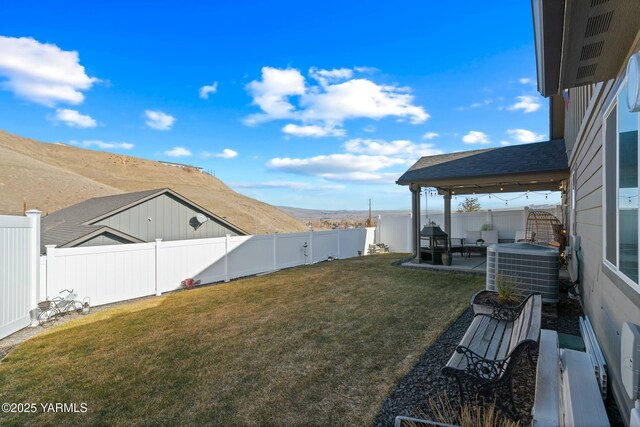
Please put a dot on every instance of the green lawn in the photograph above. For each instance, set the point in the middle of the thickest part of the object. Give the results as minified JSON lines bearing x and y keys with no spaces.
{"x":316,"y":345}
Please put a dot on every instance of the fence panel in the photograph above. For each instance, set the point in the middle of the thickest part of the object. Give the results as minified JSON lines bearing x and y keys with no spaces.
{"x":106,"y":274}
{"x":250,"y":255}
{"x":352,"y":241}
{"x":197,"y":258}
{"x":395,"y":232}
{"x":292,"y":249}
{"x":325,"y":245}
{"x":508,"y":223}
{"x":15,"y":273}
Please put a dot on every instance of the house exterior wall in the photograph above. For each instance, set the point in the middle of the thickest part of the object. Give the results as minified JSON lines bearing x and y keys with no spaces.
{"x":169,"y":220}
{"x":103,"y":240}
{"x":606,"y":299}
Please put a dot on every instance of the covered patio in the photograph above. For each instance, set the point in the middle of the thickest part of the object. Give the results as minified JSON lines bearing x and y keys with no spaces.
{"x":541,"y":166}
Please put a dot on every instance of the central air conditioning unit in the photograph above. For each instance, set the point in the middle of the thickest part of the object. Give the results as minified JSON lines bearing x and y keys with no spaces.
{"x":529,"y":268}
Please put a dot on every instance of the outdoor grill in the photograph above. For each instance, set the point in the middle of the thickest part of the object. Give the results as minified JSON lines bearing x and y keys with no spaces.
{"x":433,"y":243}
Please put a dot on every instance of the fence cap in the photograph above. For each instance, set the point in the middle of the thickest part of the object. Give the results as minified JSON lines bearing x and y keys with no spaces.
{"x":34,"y":212}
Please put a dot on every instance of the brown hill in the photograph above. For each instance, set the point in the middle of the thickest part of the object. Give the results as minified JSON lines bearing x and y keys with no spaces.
{"x":52,"y":176}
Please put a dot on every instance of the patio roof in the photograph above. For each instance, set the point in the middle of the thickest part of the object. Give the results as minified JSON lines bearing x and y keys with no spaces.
{"x":538,"y":166}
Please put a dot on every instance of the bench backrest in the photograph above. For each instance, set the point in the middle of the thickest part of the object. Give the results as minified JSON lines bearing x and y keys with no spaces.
{"x":527,"y":324}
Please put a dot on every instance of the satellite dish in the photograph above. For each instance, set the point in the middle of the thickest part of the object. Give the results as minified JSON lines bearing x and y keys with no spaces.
{"x":201,"y":218}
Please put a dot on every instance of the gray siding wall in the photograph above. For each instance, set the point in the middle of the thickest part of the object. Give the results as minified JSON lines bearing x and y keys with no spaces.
{"x":169,"y":221}
{"x":103,"y":240}
{"x":606,"y":299}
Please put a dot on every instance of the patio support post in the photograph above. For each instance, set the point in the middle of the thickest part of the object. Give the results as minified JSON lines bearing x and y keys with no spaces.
{"x":447,"y":214}
{"x":415,"y":221}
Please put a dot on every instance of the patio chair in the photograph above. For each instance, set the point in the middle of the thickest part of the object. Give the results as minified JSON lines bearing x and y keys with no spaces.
{"x":471,"y":237}
{"x":490,"y":237}
{"x":456,"y":244}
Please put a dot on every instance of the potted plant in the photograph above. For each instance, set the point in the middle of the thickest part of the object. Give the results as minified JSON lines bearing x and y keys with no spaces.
{"x":446,"y":257}
{"x":506,"y":293}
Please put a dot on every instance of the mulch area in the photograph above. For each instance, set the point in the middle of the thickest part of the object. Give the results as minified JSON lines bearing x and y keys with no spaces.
{"x":424,"y":381}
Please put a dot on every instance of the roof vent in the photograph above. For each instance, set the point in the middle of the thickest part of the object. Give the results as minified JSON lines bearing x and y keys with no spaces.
{"x":598,"y":24}
{"x":586,"y":71}
{"x":591,"y":51}
{"x":598,"y":2}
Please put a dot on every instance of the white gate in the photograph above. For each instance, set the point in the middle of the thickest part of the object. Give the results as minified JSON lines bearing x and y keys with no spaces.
{"x":19,"y":270}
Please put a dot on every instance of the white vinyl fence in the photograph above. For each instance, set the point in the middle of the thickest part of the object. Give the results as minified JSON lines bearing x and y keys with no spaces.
{"x":19,"y":270}
{"x":109,"y":274}
{"x":395,"y":230}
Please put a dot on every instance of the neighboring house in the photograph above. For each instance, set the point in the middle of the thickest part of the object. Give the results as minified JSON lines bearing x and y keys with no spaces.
{"x":582,"y":51}
{"x":132,"y":218}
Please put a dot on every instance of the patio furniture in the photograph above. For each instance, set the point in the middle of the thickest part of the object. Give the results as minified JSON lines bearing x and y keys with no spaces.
{"x":478,"y":248}
{"x":471,"y":237}
{"x":456,"y":244}
{"x":433,"y":243}
{"x":490,"y":237}
{"x":483,"y":363}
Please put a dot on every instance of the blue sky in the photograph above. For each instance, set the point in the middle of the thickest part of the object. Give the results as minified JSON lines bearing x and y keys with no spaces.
{"x":315,"y":105}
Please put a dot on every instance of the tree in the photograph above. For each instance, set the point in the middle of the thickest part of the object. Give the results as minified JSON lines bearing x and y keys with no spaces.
{"x":470,"y":204}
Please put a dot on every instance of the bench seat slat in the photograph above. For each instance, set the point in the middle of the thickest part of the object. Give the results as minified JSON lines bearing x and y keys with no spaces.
{"x":496,"y":341}
{"x":503,"y":351}
{"x":479,"y":323}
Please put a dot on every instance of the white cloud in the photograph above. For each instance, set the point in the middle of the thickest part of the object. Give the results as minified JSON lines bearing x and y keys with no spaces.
{"x":524,"y":136}
{"x":285,"y":94}
{"x":475,"y":137}
{"x":227,"y":153}
{"x":333,"y":164}
{"x":207,"y":89}
{"x":361,"y":98}
{"x":272,"y":94}
{"x":365,"y":160}
{"x":312,"y":130}
{"x":526,"y":103}
{"x":291,"y":185}
{"x":476,"y":105}
{"x":525,"y":81}
{"x":177,"y":152}
{"x":42,"y":73}
{"x":403,"y":149}
{"x":430,"y":135}
{"x":73,"y":118}
{"x":101,"y":144}
{"x":505,"y":143}
{"x":159,"y":120}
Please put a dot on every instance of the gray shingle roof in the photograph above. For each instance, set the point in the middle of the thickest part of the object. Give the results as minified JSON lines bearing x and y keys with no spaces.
{"x":68,"y":224}
{"x":540,"y":157}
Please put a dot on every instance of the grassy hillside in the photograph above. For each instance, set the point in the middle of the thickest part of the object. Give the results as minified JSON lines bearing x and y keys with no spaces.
{"x":52,"y":176}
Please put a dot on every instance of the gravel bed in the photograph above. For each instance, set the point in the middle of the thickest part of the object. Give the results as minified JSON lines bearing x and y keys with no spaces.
{"x":424,"y":380}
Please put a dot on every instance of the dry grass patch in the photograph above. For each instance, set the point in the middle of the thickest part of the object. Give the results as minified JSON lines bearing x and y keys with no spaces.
{"x":318,"y":345}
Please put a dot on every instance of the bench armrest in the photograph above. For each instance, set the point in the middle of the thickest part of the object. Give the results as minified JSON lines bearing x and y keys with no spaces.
{"x":508,"y":312}
{"x":479,"y":367}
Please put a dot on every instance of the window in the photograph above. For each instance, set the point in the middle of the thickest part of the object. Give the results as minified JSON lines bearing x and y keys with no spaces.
{"x":621,"y":188}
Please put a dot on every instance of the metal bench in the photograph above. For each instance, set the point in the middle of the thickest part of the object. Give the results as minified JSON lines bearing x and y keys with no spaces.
{"x":484,"y":361}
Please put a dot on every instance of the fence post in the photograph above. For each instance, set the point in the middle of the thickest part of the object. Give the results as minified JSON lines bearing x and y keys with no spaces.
{"x":524,"y":221}
{"x":226,"y":257}
{"x":338,"y":234}
{"x":51,"y":255}
{"x":275,"y":248}
{"x":34,"y":261}
{"x":310,"y":247}
{"x":157,"y":249}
